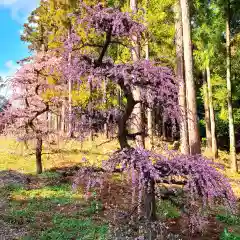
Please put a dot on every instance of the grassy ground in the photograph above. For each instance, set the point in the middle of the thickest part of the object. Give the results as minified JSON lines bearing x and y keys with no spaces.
{"x":14,"y":156}
{"x":52,"y":212}
{"x":47,"y":207}
{"x":42,"y":209}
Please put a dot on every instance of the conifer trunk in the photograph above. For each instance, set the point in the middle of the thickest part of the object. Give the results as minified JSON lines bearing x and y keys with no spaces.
{"x":207,"y":113}
{"x":180,"y":77}
{"x":63,"y":112}
{"x":70,"y":130}
{"x":194,"y":138}
{"x":212,"y":115}
{"x":234,"y":167}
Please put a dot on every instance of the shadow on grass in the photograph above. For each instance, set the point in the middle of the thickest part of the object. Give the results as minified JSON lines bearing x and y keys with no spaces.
{"x":11,"y":176}
{"x":52,"y":212}
{"x":75,"y":151}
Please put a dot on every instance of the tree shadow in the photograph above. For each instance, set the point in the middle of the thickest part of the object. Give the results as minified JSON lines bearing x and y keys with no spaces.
{"x":74,"y":151}
{"x":52,"y":212}
{"x":12,"y":177}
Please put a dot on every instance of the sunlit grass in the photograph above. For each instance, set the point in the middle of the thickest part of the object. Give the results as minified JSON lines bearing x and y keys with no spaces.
{"x":48,"y":192}
{"x":13,"y":155}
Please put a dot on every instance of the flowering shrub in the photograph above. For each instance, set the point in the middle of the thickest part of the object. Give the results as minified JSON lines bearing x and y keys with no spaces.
{"x":202,"y":180}
{"x":204,"y":185}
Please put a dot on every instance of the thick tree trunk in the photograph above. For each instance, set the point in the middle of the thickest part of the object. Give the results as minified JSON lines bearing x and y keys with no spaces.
{"x":138,"y":123}
{"x":212,"y":115}
{"x":180,"y":76}
{"x":234,"y":166}
{"x":194,"y":139}
{"x":122,"y":121}
{"x":39,"y":155}
{"x":207,"y":113}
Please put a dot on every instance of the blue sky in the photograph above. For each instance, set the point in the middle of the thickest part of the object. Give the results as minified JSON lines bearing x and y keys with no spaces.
{"x":13,"y":13}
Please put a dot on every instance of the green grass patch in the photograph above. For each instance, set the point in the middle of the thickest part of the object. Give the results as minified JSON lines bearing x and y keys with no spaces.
{"x":226,"y":235}
{"x":54,"y":212}
{"x":47,"y":192}
{"x":67,"y":228}
{"x":229,"y":219}
{"x":12,"y":187}
{"x":165,"y":210}
{"x":50,"y":175}
{"x":26,"y":205}
{"x":233,"y":222}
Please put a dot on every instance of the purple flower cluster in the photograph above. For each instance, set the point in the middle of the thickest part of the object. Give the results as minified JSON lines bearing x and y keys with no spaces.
{"x":203,"y":180}
{"x":204,"y":186}
{"x":92,"y":65}
{"x":26,"y":117}
{"x":111,"y":20}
